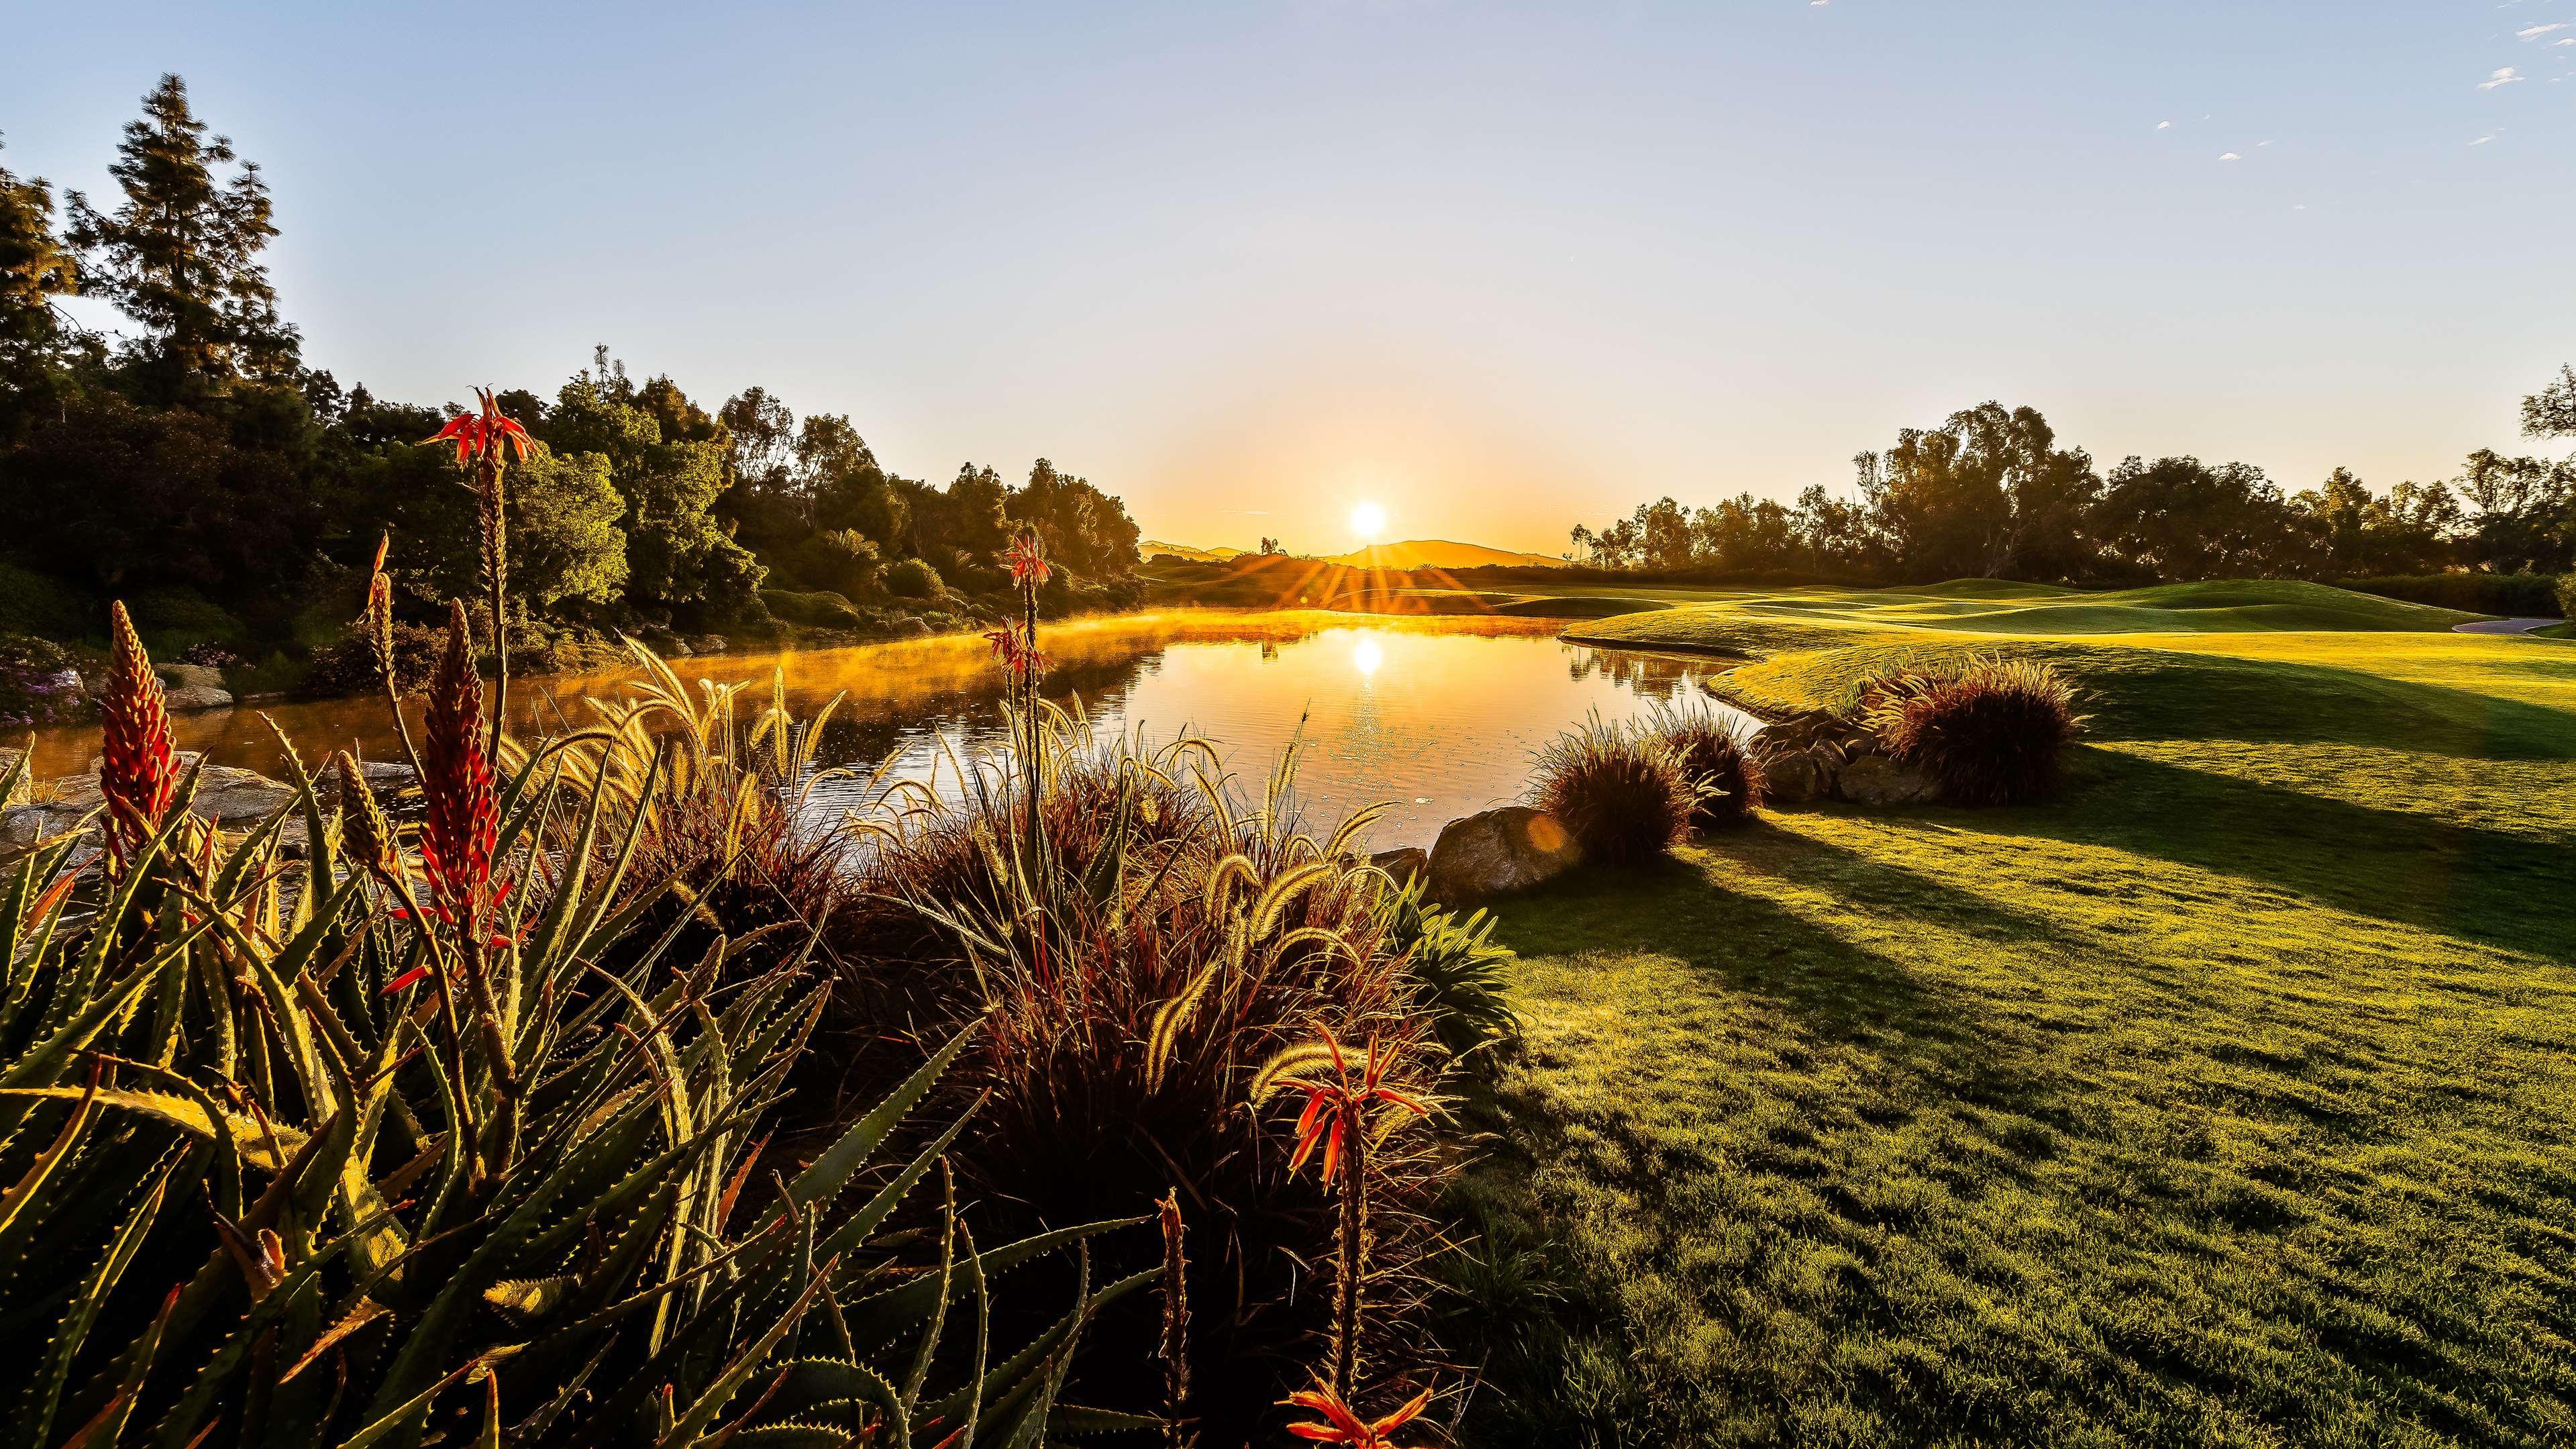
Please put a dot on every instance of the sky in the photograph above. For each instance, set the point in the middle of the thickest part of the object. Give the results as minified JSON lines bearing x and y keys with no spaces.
{"x":1496,"y":269}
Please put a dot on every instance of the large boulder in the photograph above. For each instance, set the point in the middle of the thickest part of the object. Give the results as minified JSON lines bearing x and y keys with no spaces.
{"x":190,"y":676}
{"x":1879,"y":783}
{"x":1497,"y":852}
{"x":198,"y":696}
{"x":1794,"y":778}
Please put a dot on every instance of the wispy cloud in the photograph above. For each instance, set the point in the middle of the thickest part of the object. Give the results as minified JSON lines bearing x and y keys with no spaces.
{"x":2164,"y":125}
{"x":2503,"y":77}
{"x":2229,"y":156}
{"x":2482,"y":140}
{"x":2534,"y":32}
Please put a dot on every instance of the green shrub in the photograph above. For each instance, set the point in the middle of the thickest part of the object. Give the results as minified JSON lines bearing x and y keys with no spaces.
{"x":1462,"y":971}
{"x":1990,"y":730}
{"x":39,"y":604}
{"x":913,"y":578}
{"x":2567,"y":596}
{"x":842,"y":560}
{"x":173,"y":620}
{"x":1724,"y":774}
{"x":814,"y":610}
{"x":1618,"y":792}
{"x":2513,"y":595}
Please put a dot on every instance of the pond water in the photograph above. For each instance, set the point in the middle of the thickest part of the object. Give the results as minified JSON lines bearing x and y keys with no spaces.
{"x":1438,"y":715}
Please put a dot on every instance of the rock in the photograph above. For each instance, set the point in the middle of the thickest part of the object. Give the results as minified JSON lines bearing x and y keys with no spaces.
{"x":1499,"y":851}
{"x":230,"y":796}
{"x":199,"y":697}
{"x":1403,"y":864}
{"x":190,"y":676}
{"x":1879,"y":782}
{"x":1793,"y":779}
{"x":21,"y":826}
{"x":710,"y":644}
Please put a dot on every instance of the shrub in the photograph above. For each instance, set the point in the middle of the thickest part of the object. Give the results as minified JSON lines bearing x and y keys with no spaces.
{"x":1726,"y":777}
{"x":1990,"y":730}
{"x":2514,"y":595}
{"x":1618,"y":791}
{"x":842,"y":560}
{"x":349,"y":666}
{"x":1133,"y":972}
{"x":912,"y":578}
{"x":815,"y":610}
{"x":1459,"y":966}
{"x":2567,"y":596}
{"x":38,"y":682}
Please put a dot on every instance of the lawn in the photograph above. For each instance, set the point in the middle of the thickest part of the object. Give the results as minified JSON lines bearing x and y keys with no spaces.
{"x":2230,"y":1099}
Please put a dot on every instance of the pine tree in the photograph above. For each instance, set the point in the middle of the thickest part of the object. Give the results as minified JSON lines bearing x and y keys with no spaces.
{"x":182,"y":255}
{"x":34,"y":269}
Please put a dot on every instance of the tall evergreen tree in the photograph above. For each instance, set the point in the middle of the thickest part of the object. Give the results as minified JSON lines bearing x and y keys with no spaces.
{"x":181,"y":256}
{"x":34,"y":269}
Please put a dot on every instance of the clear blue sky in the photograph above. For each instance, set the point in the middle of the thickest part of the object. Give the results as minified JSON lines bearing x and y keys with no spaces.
{"x":1498,"y":268}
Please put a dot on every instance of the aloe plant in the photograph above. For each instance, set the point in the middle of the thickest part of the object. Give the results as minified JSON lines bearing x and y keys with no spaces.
{"x":289,"y":1157}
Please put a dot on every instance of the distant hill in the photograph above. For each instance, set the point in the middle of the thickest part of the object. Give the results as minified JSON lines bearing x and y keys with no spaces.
{"x":1438,"y":553}
{"x":1151,"y":549}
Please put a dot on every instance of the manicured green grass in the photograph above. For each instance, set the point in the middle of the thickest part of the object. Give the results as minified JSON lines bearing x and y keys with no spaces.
{"x":2229,"y":1099}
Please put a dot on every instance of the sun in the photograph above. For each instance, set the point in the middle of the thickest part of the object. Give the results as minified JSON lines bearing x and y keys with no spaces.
{"x":1368,"y":521}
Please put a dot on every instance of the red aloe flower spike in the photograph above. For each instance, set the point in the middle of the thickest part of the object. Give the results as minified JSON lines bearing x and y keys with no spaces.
{"x":461,"y":824}
{"x":1344,"y":1426}
{"x":1028,"y":564}
{"x":407,"y":978}
{"x":138,"y":773}
{"x":485,"y":431}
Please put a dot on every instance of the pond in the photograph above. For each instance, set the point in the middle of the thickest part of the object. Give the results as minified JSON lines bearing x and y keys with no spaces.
{"x":1438,"y":715}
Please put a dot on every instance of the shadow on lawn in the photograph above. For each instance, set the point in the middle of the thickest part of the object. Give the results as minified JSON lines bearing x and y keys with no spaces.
{"x":1839,"y":989}
{"x":2155,"y":694}
{"x":2478,"y":885}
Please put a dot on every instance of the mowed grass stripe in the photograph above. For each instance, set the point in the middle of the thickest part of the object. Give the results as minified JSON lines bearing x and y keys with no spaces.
{"x":2226,"y":1100}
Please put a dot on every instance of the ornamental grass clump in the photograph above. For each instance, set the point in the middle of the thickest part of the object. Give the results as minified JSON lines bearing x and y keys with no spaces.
{"x":1725,"y":777}
{"x":1991,"y":730}
{"x":1136,"y":942}
{"x":1618,"y":791}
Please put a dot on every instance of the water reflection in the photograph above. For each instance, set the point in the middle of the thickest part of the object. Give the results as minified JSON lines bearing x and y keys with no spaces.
{"x":1438,"y":714}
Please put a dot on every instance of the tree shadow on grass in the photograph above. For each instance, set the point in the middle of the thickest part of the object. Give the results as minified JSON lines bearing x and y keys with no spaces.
{"x":2464,"y":881}
{"x":1841,"y":991}
{"x":1880,"y":888}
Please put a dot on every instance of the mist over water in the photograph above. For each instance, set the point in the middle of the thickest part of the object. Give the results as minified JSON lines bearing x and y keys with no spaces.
{"x":1439,"y":716}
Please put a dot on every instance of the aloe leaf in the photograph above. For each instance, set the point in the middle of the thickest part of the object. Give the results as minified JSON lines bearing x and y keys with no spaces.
{"x":36,"y":1415}
{"x":831,"y":1171}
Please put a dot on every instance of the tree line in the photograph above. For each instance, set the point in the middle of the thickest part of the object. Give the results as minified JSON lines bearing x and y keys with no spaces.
{"x":198,"y":455}
{"x":1989,"y":494}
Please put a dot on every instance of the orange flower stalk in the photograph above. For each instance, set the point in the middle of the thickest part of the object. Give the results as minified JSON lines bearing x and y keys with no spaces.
{"x":1028,"y":565}
{"x":462,"y":823}
{"x":481,"y":439}
{"x":1343,"y":1426}
{"x":138,"y":773}
{"x":485,"y":432}
{"x":1336,"y":1118}
{"x":1335,"y":1108}
{"x":379,"y":624}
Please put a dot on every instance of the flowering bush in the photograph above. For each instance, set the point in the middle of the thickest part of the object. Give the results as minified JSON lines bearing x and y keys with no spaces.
{"x":38,"y":683}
